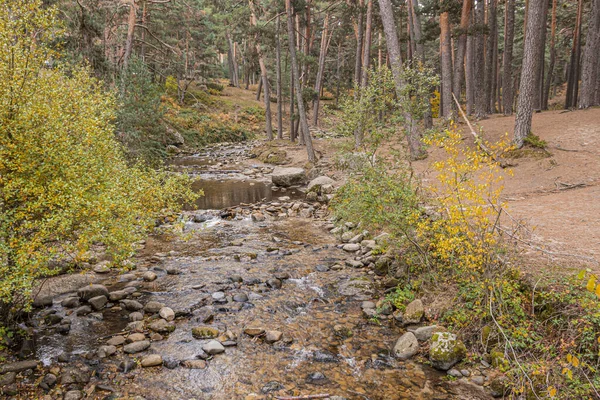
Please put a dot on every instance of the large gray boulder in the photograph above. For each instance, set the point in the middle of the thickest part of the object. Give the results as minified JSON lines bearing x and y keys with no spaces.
{"x":286,"y":177}
{"x":90,"y":291}
{"x":406,"y":346}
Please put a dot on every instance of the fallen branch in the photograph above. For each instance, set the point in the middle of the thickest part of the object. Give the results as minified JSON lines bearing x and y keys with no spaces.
{"x":305,"y":397}
{"x":478,"y":140}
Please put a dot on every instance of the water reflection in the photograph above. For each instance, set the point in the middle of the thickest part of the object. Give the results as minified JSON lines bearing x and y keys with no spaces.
{"x":230,"y":192}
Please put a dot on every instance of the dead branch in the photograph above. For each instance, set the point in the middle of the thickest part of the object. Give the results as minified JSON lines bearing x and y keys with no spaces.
{"x":478,"y":140}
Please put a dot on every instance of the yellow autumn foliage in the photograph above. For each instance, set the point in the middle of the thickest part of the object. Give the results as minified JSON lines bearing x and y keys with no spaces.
{"x":64,"y":181}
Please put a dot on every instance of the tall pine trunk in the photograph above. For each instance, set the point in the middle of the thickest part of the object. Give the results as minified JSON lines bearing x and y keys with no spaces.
{"x":320,"y":71}
{"x":590,"y":65}
{"x":540,"y":53}
{"x":469,"y":84}
{"x":573,"y":80}
{"x":359,"y":44}
{"x":393,"y":46}
{"x":279,"y":89}
{"x":550,"y":74}
{"x":529,"y":70}
{"x":479,"y":62}
{"x":131,"y":19}
{"x":507,"y":69}
{"x":446,"y":50}
{"x":490,"y":76}
{"x":461,"y":50}
{"x":296,"y":78}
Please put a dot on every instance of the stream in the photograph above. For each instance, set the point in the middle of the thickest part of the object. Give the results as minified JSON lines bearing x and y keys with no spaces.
{"x":229,"y":270}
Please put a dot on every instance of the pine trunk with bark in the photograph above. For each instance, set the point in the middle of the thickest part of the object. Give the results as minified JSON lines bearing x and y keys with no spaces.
{"x":507,"y":58}
{"x":446,"y":51}
{"x":573,"y":79}
{"x":321,"y":69}
{"x":461,"y":49}
{"x":590,"y":65}
{"x":393,"y":46}
{"x":279,"y":88}
{"x":541,"y":51}
{"x":490,"y":76}
{"x":481,"y":103}
{"x":131,"y":19}
{"x":359,"y":44}
{"x":296,"y":79}
{"x":550,"y":74}
{"x":469,"y":84}
{"x":529,"y":70}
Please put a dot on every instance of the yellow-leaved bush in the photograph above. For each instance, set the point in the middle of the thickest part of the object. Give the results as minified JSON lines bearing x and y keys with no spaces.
{"x":64,"y":181}
{"x":466,"y":196}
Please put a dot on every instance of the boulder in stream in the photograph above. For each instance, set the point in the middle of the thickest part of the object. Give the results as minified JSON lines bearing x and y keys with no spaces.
{"x":446,"y":350}
{"x":286,"y":177}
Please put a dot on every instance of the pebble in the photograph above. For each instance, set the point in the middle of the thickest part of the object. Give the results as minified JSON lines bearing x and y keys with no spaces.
{"x":73,"y":395}
{"x":273,"y":336}
{"x":131,"y":305}
{"x":455,"y":373}
{"x":136,"y":316}
{"x":106,"y":351}
{"x":98,"y":302}
{"x":153,"y":307}
{"x":135,"y":337}
{"x":116,"y":341}
{"x":167,"y":313}
{"x":194,"y":364}
{"x":149,"y":276}
{"x":152,"y":360}
{"x":218,"y":296}
{"x":240,"y":297}
{"x":213,"y":347}
{"x":136,"y":347}
{"x":478,"y":380}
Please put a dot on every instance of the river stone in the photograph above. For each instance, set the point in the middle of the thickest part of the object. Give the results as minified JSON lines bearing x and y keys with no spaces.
{"x":136,"y":337}
{"x":106,"y":351}
{"x":87,"y":292}
{"x":354,"y":264}
{"x":272,"y":386}
{"x":254,"y":330}
{"x":72,"y":375}
{"x":240,"y":297}
{"x":18,"y":366}
{"x":47,"y":382}
{"x":213,"y":347}
{"x":167,"y":313}
{"x":286,"y":177}
{"x":8,"y":379}
{"x":102,"y":267}
{"x":149,"y":276}
{"x":205,"y":332}
{"x":274,"y":283}
{"x":131,"y":305}
{"x":351,"y":247}
{"x":445,"y":350}
{"x":413,"y":313}
{"x":153,"y":307}
{"x":424,"y":333}
{"x":406,"y":346}
{"x":161,"y":326}
{"x":318,"y":183}
{"x":98,"y":302}
{"x":194,"y":364}
{"x":136,"y":316}
{"x":357,"y":239}
{"x":70,"y":302}
{"x":136,"y":347}
{"x":455,"y":373}
{"x":116,"y":341}
{"x":73,"y":395}
{"x":152,"y":360}
{"x":118,"y":295}
{"x":273,"y":336}
{"x":136,"y":326}
{"x":346,"y":236}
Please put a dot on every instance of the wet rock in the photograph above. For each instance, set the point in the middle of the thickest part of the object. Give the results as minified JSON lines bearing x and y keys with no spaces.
{"x":167,"y":314}
{"x":354,"y":264}
{"x":98,"y":302}
{"x":274,"y":283}
{"x":7,"y":378}
{"x":71,"y":375}
{"x":136,"y":347}
{"x":116,"y":341}
{"x":194,"y":364}
{"x":258,"y":217}
{"x":254,"y":330}
{"x":318,"y":183}
{"x":322,"y":268}
{"x":136,"y":326}
{"x":173,"y":271}
{"x":286,"y":177}
{"x":73,"y":395}
{"x":70,"y":302}
{"x":161,"y":326}
{"x":153,"y":360}
{"x":63,"y":357}
{"x":90,"y":291}
{"x":382,"y":266}
{"x":218,"y":296}
{"x":478,"y":380}
{"x":445,"y":350}
{"x":53,"y":319}
{"x":414,"y":312}
{"x":357,"y":239}
{"x":127,"y":365}
{"x":106,"y":351}
{"x":149,"y":276}
{"x":156,"y":337}
{"x":131,"y":305}
{"x":316,"y":378}
{"x":465,"y":372}
{"x":254,"y":296}
{"x":136,"y":316}
{"x":102,"y":267}
{"x":43,"y":301}
{"x":205,"y":332}
{"x":153,"y":307}
{"x":118,"y":295}
{"x":455,"y":373}
{"x":236,"y":279}
{"x":273,"y":336}
{"x":48,"y":382}
{"x":170,"y":362}
{"x":240,"y":297}
{"x":406,"y":346}
{"x":323,"y":356}
{"x":425,"y":333}
{"x":213,"y":347}
{"x":272,"y":386}
{"x":351,"y":247}
{"x":18,"y":366}
{"x":367,"y":305}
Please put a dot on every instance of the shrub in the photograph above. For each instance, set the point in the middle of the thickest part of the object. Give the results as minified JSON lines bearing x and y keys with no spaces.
{"x":64,"y":180}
